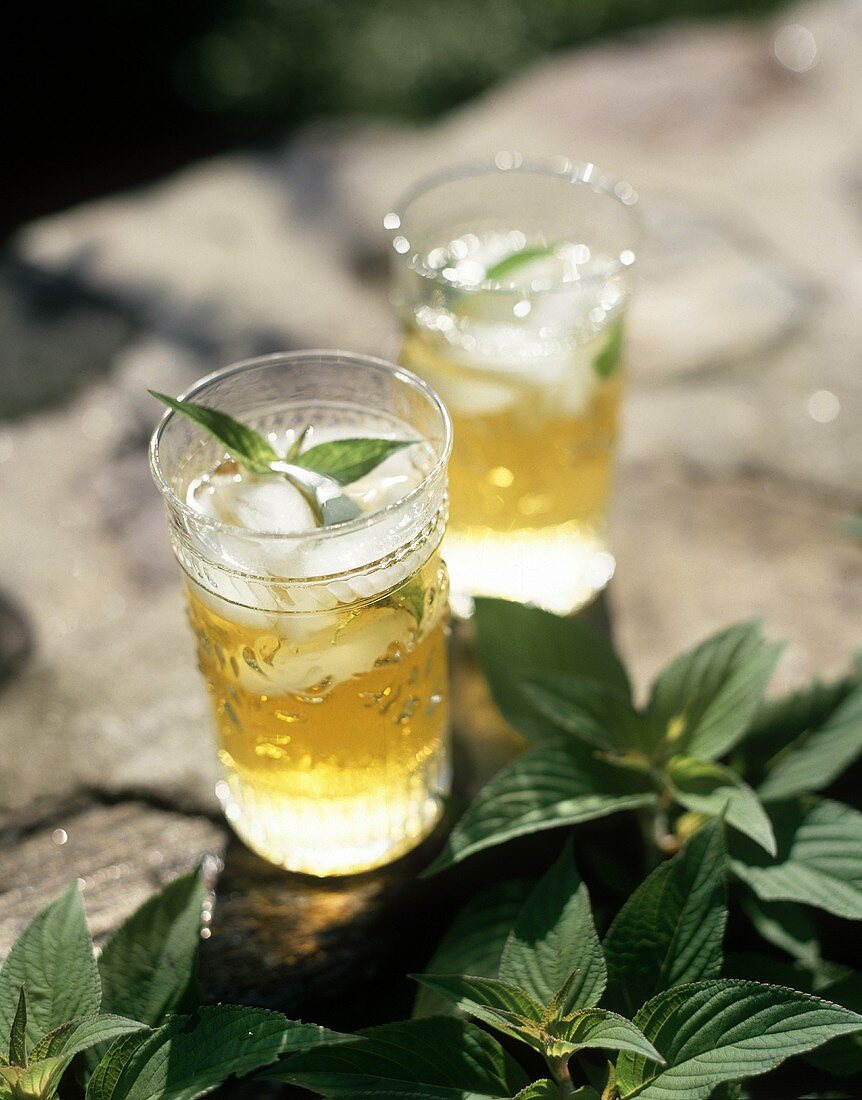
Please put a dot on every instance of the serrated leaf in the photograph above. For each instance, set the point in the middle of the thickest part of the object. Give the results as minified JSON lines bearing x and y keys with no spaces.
{"x":436,"y":1058}
{"x":670,"y":930}
{"x":474,"y":942}
{"x":842,"y":1057}
{"x":781,"y":721}
{"x":819,"y":859}
{"x":247,"y":446}
{"x":148,"y":964}
{"x":53,"y":958}
{"x":553,"y":938}
{"x":348,"y":460}
{"x":819,"y":755}
{"x":82,"y":1033}
{"x":598,"y":1029}
{"x":597,"y":713}
{"x":718,"y":1031}
{"x":515,"y":642}
{"x":547,"y":1090}
{"x":703,"y":702}
{"x":609,"y":358}
{"x":714,"y":790}
{"x":555,"y":783}
{"x":52,"y":1055}
{"x":499,"y":1003}
{"x":189,"y":1056}
{"x":18,"y":1032}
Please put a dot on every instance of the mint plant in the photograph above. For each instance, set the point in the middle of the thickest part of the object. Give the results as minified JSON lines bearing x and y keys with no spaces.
{"x":705,"y":745}
{"x":557,"y":989}
{"x":57,"y":1002}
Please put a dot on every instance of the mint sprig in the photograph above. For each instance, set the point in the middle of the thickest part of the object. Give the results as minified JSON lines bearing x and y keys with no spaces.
{"x":331,"y":465}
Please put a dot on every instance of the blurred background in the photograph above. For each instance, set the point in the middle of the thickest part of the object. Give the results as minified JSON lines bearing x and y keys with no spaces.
{"x":189,"y":183}
{"x":110,"y":95}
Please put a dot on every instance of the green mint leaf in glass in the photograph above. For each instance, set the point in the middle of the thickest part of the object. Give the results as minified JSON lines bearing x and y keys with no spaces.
{"x":317,"y":473}
{"x":670,"y":930}
{"x":714,"y":790}
{"x":607,"y":361}
{"x":553,"y":944}
{"x":556,"y":783}
{"x":716,"y":1031}
{"x":474,"y":941}
{"x":246,"y":445}
{"x":53,"y":959}
{"x":514,"y":261}
{"x":438,"y":1057}
{"x":819,"y":860}
{"x":149,"y":963}
{"x":348,"y":460}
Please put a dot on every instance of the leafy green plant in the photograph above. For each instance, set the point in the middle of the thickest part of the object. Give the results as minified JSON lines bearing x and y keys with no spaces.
{"x":57,"y":1002}
{"x":705,"y":745}
{"x":548,"y":983}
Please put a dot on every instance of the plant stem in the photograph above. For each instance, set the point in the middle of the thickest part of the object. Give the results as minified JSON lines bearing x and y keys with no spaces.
{"x":559,"y":1068}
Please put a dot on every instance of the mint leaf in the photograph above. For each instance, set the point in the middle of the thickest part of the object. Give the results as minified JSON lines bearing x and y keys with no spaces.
{"x":82,"y":1033}
{"x":819,"y":859}
{"x":499,"y":1003}
{"x":189,"y":1056}
{"x":149,"y":962}
{"x":443,"y":1058}
{"x":718,"y":1031}
{"x":600,"y":715}
{"x":819,"y":755}
{"x":596,"y":1028}
{"x":553,"y":938}
{"x":702,"y":703}
{"x":713,"y":790}
{"x":548,"y":1090}
{"x":18,"y":1032}
{"x":247,"y":446}
{"x":556,"y":783}
{"x":348,"y":460}
{"x":515,"y":260}
{"x":609,"y":358}
{"x":670,"y":930}
{"x":779,"y":722}
{"x":474,"y":942}
{"x":53,"y":959}
{"x":843,"y":1056}
{"x":515,"y":642}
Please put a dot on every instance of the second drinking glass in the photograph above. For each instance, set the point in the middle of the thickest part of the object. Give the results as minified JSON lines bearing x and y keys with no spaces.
{"x":512,"y":281}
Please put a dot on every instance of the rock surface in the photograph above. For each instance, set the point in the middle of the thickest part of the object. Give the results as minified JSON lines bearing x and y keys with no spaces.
{"x":740,"y":455}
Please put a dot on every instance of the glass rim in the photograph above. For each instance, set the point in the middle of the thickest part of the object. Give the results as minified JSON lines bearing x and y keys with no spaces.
{"x":575,"y":173}
{"x":333,"y":355}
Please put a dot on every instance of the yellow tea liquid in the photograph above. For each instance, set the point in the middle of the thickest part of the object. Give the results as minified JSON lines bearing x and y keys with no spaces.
{"x":530,"y":472}
{"x":331,"y":725}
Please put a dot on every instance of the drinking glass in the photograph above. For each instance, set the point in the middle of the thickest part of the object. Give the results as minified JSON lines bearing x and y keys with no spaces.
{"x":512,"y":281}
{"x":323,"y":651}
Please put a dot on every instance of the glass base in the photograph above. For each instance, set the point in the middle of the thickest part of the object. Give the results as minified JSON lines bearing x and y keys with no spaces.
{"x":336,"y":836}
{"x":559,"y":568}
